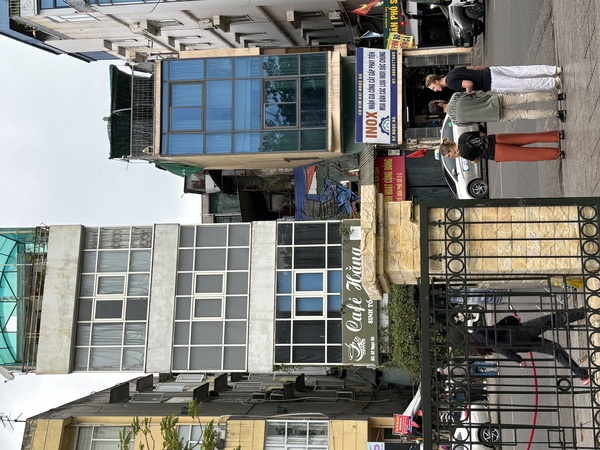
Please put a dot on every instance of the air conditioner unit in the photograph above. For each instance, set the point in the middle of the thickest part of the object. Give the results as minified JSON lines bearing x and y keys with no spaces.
{"x":259,"y":396}
{"x":136,"y":28}
{"x":277,"y":395}
{"x":412,"y":141}
{"x":336,"y":19}
{"x":346,"y":394}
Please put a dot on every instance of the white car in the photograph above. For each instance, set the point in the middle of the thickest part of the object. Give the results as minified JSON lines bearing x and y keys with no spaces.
{"x":475,"y":431}
{"x":464,"y":177}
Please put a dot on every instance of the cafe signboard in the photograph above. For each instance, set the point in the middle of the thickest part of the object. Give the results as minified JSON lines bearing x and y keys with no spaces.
{"x":359,"y":312}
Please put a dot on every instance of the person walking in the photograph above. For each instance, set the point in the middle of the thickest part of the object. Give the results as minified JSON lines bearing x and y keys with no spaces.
{"x":475,"y":145}
{"x":501,"y":79}
{"x":509,"y":337}
{"x":471,"y":108}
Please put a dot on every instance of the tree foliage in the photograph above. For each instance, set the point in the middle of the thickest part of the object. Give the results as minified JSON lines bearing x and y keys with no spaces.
{"x":211,"y":439}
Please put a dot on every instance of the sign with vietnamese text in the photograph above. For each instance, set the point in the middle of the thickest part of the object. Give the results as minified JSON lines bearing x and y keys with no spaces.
{"x":376,"y":96}
{"x":359,"y":312}
{"x":402,"y":424}
{"x":390,"y":174}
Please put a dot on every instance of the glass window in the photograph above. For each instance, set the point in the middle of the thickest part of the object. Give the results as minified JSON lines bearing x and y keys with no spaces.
{"x":113,"y":299}
{"x":219,"y":106}
{"x":211,"y":328}
{"x":109,"y":309}
{"x":209,"y":283}
{"x":314,"y":294}
{"x":99,"y":437}
{"x":245,"y":100}
{"x":108,"y":285}
{"x":207,"y":307}
{"x":185,"y":69}
{"x":309,"y":281}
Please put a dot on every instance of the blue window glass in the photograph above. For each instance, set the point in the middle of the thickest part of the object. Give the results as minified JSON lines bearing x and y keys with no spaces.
{"x":47,"y":4}
{"x":280,"y":141}
{"x":314,"y":139}
{"x":218,"y":143}
{"x":246,"y":142}
{"x":186,"y":144}
{"x":284,"y":282}
{"x":309,"y":306}
{"x":219,"y":68}
{"x":334,"y":306}
{"x":247,"y":67}
{"x":219,"y":106}
{"x":187,"y":69}
{"x":186,"y":94}
{"x":248,"y":104}
{"x":309,"y":281}
{"x":280,"y":65}
{"x":334,"y":281}
{"x":186,"y":119}
{"x":283,"y":307}
{"x":165,"y":107}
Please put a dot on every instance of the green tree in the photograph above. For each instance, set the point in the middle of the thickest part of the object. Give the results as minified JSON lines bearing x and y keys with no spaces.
{"x":211,"y":440}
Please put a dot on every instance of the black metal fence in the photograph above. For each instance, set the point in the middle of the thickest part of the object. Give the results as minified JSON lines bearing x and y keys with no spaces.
{"x":510,"y":304}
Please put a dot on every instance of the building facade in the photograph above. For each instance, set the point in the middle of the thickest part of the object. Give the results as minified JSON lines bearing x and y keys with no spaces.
{"x":233,"y":297}
{"x":305,"y":415}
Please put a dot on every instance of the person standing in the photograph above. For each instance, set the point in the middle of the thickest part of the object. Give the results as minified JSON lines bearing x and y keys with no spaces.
{"x":501,"y":79}
{"x":475,"y":145}
{"x":509,"y":337}
{"x":470,"y":108}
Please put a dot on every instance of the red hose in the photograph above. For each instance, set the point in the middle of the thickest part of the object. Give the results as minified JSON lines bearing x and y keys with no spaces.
{"x":536,"y":397}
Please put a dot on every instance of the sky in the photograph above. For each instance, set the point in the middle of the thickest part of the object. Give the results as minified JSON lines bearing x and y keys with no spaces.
{"x":55,"y":170}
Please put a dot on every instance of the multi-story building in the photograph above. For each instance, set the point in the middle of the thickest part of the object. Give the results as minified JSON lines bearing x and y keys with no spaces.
{"x":140,"y":30}
{"x":234,"y":297}
{"x":272,"y":412}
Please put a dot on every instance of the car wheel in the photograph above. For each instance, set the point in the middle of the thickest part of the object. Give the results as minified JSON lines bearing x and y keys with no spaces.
{"x":475,"y":11}
{"x":489,"y":435}
{"x":478,"y":28}
{"x":478,"y":188}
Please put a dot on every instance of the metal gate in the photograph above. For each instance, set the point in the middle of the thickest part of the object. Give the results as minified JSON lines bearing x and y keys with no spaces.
{"x":494,"y":274}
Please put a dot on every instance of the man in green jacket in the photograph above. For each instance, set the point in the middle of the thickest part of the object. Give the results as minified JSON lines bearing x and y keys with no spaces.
{"x":475,"y":107}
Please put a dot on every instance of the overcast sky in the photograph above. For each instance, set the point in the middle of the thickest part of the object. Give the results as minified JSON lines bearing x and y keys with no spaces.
{"x":55,"y":170}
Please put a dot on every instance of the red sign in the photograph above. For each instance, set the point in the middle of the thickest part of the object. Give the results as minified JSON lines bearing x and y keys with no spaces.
{"x":402,"y":424}
{"x":390,"y":173}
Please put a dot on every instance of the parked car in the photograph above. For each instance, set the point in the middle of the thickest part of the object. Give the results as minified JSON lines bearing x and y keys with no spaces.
{"x":465,"y":178}
{"x":463,"y":18}
{"x":464,"y":21}
{"x":476,"y":432}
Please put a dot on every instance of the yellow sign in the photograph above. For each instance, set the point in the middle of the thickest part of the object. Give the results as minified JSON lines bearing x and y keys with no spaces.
{"x":396,"y":41}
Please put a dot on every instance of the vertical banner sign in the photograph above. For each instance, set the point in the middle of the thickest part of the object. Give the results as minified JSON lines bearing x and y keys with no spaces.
{"x":376,"y":96}
{"x":359,"y":312}
{"x":390,"y":173}
{"x":391,"y":19}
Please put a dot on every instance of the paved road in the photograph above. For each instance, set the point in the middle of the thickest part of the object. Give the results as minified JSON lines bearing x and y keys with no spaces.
{"x":560,"y":32}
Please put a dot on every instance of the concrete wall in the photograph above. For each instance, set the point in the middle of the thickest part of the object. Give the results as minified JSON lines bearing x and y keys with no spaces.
{"x":59,"y":307}
{"x":262,"y":297}
{"x":162,"y":298}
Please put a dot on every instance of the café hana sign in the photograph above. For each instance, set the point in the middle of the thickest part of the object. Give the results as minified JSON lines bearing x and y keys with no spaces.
{"x":359,"y":312}
{"x":376,"y":96}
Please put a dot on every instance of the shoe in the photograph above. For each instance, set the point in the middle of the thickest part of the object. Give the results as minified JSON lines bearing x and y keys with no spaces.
{"x":558,"y":84}
{"x":562,"y":115}
{"x":561,"y":134}
{"x":586,"y":381}
{"x":558,"y":70}
{"x":560,"y":97}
